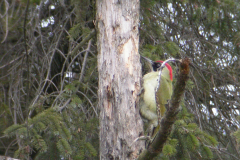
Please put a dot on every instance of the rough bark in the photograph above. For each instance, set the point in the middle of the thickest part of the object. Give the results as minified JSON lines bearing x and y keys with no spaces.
{"x":119,"y":78}
{"x":170,"y":116}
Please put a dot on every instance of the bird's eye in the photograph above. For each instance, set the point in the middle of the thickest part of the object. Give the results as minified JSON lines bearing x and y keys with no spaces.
{"x":158,"y":65}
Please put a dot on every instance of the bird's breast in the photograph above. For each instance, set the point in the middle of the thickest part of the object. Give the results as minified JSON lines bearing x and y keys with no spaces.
{"x":149,"y":84}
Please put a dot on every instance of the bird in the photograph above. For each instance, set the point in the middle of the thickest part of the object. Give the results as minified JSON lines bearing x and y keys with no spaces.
{"x":148,"y":103}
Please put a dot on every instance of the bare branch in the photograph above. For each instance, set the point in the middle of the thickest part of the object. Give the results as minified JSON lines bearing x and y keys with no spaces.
{"x":83,"y":42}
{"x":85,"y":60}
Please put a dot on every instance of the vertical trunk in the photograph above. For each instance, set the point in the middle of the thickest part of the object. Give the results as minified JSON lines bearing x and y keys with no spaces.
{"x":119,"y":78}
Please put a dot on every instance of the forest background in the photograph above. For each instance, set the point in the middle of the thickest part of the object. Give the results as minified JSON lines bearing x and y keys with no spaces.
{"x":49,"y":76}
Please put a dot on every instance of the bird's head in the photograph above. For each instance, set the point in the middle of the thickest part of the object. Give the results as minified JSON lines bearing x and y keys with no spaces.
{"x":157,"y":64}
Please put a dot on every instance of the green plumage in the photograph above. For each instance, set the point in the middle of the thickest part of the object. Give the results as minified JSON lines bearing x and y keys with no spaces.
{"x":148,"y":107}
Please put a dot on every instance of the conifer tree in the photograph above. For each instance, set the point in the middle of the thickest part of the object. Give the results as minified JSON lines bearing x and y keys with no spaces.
{"x":49,"y":78}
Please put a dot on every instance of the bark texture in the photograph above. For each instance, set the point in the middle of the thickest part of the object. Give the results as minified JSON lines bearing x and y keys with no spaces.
{"x":119,"y":78}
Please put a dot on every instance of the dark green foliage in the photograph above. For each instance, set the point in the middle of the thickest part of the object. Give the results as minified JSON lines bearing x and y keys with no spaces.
{"x":65,"y":115}
{"x":192,"y":142}
{"x":75,"y":31}
{"x":64,"y":147}
{"x":69,"y":131}
{"x":171,"y":48}
{"x":208,"y":33}
{"x":169,"y":150}
{"x":39,"y":143}
{"x":47,"y":121}
{"x":12,"y":130}
{"x":52,"y":151}
{"x":51,"y":116}
{"x":4,"y":121}
{"x":91,"y":149}
{"x":187,"y":141}
{"x":206,"y":152}
{"x":237,"y":135}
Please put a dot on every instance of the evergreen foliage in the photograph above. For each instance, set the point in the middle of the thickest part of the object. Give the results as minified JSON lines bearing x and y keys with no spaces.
{"x":187,"y":141}
{"x":68,"y":130}
{"x":237,"y":135}
{"x":48,"y":112}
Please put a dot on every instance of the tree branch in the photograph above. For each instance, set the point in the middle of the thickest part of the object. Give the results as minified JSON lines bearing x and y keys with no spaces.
{"x":170,"y":116}
{"x":83,"y":42}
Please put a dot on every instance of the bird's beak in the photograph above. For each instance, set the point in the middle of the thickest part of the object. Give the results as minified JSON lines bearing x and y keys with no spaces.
{"x":148,"y":60}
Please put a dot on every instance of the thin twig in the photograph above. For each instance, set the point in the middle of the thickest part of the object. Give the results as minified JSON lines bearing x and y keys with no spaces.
{"x":28,"y":73}
{"x":7,"y":6}
{"x":85,"y":60}
{"x":83,"y":42}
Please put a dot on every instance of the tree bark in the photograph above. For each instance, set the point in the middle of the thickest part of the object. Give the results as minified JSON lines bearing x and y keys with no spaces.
{"x":119,"y":78}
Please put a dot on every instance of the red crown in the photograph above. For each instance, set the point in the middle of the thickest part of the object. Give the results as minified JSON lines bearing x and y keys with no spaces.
{"x":169,"y":68}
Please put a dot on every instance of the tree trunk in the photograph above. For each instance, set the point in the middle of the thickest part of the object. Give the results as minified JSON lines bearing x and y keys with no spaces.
{"x":119,"y":78}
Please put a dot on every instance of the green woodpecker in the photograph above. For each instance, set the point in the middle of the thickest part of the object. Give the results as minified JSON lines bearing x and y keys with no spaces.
{"x":148,"y":107}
